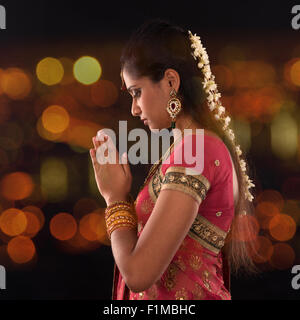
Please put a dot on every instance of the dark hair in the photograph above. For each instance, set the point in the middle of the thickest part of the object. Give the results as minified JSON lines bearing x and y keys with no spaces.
{"x":158,"y":45}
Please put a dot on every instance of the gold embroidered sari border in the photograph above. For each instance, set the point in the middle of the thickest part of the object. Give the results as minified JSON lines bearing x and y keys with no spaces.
{"x":182,"y":170}
{"x":207,"y":234}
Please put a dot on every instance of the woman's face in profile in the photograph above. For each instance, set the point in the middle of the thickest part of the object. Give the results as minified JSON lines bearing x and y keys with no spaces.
{"x":149,"y":100}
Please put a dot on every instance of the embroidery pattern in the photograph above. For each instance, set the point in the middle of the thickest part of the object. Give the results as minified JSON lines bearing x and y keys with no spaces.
{"x":169,"y":281}
{"x":208,"y":234}
{"x":181,"y":294}
{"x":195,"y":185}
{"x":195,"y":262}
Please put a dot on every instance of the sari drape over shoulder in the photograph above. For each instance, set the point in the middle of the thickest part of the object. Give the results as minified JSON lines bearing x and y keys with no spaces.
{"x":198,"y":270}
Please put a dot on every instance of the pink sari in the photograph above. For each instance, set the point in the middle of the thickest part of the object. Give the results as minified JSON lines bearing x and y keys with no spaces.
{"x":198,"y":271}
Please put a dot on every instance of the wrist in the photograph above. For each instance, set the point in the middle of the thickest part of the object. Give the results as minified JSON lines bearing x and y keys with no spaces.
{"x":111,"y":200}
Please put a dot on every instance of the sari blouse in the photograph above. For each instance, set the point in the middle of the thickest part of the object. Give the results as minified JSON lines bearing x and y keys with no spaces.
{"x":198,"y":270}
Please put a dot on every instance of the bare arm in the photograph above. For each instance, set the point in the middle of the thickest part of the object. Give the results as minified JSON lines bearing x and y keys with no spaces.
{"x":143,"y":260}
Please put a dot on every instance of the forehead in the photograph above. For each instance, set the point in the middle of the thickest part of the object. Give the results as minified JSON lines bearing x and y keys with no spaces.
{"x":129,"y":80}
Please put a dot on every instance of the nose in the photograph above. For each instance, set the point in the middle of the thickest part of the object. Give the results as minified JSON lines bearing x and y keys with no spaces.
{"x":135,"y":109}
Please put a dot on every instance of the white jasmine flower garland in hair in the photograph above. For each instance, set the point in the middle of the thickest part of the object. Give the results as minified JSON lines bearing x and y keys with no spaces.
{"x":214,"y":104}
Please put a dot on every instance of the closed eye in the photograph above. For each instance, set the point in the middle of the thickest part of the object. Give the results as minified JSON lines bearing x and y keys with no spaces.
{"x":136,"y":93}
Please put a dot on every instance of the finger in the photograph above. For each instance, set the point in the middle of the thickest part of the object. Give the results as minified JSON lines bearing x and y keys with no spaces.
{"x":93,"y":157}
{"x":125,"y":164}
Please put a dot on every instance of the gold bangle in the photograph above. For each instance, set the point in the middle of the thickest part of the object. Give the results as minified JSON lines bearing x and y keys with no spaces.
{"x":116,"y":217}
{"x":129,"y":203}
{"x":117,"y":208}
{"x":120,"y":215}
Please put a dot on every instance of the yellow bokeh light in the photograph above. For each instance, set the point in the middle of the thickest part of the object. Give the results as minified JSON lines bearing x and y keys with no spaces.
{"x":87,"y":70}
{"x":284,"y":136}
{"x":54,"y":179}
{"x":50,"y":71}
{"x":55,"y":119}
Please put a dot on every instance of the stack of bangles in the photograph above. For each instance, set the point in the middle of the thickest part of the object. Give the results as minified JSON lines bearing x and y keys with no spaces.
{"x":120,"y":214}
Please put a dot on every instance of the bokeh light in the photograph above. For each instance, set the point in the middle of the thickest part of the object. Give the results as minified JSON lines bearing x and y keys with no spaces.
{"x":13,"y":221}
{"x":55,"y":119}
{"x":282,"y":227}
{"x":264,"y":212}
{"x":292,"y":208}
{"x":54,"y":179}
{"x":104,"y":93}
{"x":15,"y":83}
{"x":16,"y":186}
{"x":283,"y":256}
{"x":284,"y":136}
{"x":21,"y":249}
{"x":92,"y":227}
{"x":63,"y":226}
{"x":33,"y":225}
{"x":87,"y":70}
{"x":50,"y":71}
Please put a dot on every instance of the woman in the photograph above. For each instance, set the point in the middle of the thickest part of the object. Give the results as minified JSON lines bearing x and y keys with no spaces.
{"x":184,"y":230}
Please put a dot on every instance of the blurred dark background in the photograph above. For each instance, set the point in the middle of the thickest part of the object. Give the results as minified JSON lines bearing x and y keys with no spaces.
{"x":51,"y":231}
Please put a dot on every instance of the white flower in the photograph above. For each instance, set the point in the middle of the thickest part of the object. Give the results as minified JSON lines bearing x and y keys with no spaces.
{"x":238,"y":150}
{"x":221,"y":110}
{"x":243,"y":165}
{"x":210,"y":97}
{"x":231,"y":134}
{"x":217,"y":116}
{"x":217,"y":96}
{"x":212,"y":106}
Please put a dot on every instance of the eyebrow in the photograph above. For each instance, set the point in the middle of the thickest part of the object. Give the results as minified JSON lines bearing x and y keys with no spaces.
{"x":129,"y":89}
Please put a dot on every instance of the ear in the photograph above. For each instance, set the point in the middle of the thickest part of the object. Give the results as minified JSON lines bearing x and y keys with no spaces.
{"x":172,"y":78}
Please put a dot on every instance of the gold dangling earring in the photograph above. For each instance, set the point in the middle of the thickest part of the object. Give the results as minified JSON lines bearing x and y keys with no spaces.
{"x":173,"y":107}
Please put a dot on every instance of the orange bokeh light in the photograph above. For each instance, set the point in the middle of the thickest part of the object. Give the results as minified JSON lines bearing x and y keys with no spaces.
{"x":16,"y":186}
{"x":33,"y":225}
{"x":92,"y":227}
{"x":282,"y":227}
{"x":37,"y":212}
{"x":55,"y":119}
{"x":21,"y":249}
{"x":264,"y":212}
{"x":283,"y":256}
{"x":15,"y":83}
{"x":63,"y":226}
{"x":13,"y":222}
